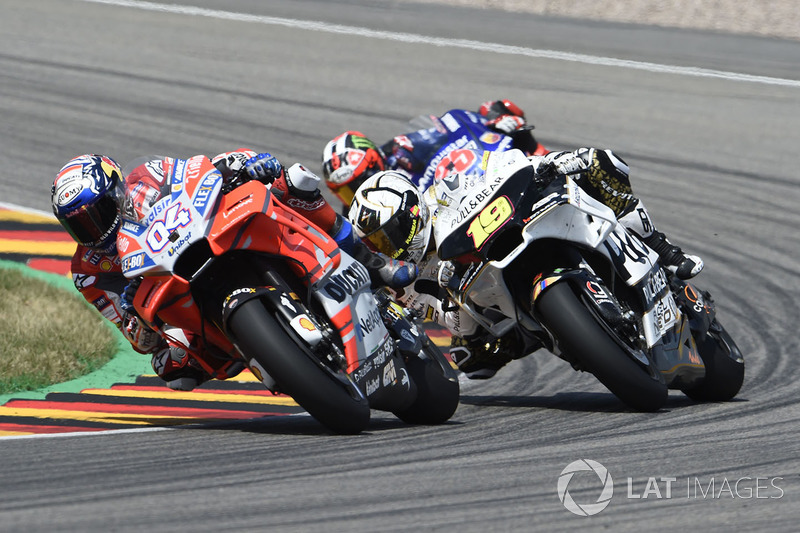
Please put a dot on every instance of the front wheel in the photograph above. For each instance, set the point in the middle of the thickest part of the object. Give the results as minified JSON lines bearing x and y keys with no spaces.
{"x":582,"y":338}
{"x":724,"y":367}
{"x":437,"y":393}
{"x":259,"y":337}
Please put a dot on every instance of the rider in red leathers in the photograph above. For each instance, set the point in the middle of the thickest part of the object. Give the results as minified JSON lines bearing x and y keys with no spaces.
{"x":86,"y":197}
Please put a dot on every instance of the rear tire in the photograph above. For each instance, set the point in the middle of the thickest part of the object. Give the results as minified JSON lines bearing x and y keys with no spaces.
{"x":259,"y":336}
{"x":580,"y":337}
{"x":437,"y":396}
{"x":724,"y":368}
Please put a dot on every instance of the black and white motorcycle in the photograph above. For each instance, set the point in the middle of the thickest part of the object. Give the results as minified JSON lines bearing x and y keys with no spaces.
{"x":546,"y":259}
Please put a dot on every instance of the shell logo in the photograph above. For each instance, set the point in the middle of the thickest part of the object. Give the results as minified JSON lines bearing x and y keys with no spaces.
{"x":306,"y":324}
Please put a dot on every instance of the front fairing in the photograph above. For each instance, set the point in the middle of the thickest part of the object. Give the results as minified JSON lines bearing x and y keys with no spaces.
{"x":473,"y":209}
{"x":167,"y":204}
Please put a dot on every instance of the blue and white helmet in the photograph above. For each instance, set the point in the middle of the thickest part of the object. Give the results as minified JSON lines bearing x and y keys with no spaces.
{"x":84,"y":198}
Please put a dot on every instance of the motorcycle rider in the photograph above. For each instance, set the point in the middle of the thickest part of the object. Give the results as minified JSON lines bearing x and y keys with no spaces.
{"x":350,"y":158}
{"x":86,"y":200}
{"x":392,"y":216}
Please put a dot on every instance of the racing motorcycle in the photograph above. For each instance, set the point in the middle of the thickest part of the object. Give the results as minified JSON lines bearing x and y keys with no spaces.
{"x":260,"y":283}
{"x":543,"y":258}
{"x":434,"y":138}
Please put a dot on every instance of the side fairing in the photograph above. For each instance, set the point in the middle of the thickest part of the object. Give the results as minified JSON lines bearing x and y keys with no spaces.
{"x":346,"y":297}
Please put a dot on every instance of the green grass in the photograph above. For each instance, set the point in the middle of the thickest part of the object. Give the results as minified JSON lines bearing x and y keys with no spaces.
{"x":47,"y":335}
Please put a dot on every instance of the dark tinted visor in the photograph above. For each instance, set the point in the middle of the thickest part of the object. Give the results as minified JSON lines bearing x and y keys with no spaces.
{"x":92,"y":224}
{"x":395,"y":236}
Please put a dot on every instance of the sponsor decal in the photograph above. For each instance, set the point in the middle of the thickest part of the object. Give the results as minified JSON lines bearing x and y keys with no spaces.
{"x":305,"y":323}
{"x":177,"y":175}
{"x":407,"y":335}
{"x":201,"y":197}
{"x":123,"y":244}
{"x":372,"y":386}
{"x":362,"y":143}
{"x":450,"y":122}
{"x":389,"y":373}
{"x":68,"y":193}
{"x":404,"y":379}
{"x":490,"y":137}
{"x":347,"y":282}
{"x":256,"y":370}
{"x":462,"y":142}
{"x":132,"y":262}
{"x":475,"y":199}
{"x":654,"y":285}
{"x":305,"y":205}
{"x":101,"y":302}
{"x":286,"y":302}
{"x":365,"y":369}
{"x":383,"y":352}
{"x":174,"y":249}
{"x":698,"y":303}
{"x":243,"y":290}
{"x":598,"y":293}
{"x":237,"y":206}
{"x":133,"y":228}
{"x":156,"y":169}
{"x":370,"y":322}
{"x":82,"y":281}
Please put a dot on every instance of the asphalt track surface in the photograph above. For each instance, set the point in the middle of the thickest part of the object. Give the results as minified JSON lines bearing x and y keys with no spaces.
{"x":712,"y":141}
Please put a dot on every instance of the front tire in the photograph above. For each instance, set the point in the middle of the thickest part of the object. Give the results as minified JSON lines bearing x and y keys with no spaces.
{"x":724,"y":367}
{"x":580,"y":337}
{"x":259,"y":336}
{"x":437,"y":394}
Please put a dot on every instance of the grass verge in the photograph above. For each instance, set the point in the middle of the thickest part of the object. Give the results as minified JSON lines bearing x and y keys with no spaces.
{"x":47,"y":335}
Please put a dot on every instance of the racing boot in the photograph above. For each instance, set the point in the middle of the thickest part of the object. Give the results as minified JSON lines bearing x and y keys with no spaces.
{"x":178,"y":369}
{"x":683,"y":265}
{"x":636,"y":218}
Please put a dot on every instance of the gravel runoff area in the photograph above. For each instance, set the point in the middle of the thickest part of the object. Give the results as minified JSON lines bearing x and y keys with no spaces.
{"x":769,"y":18}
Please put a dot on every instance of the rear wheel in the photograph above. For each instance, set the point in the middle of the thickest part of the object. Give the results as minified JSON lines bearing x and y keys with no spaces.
{"x":325,"y":396}
{"x":724,"y":367}
{"x":437,"y":394}
{"x":582,"y":338}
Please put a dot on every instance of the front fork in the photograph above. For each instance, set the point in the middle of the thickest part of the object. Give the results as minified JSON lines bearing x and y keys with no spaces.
{"x":603,"y":304}
{"x":408,"y":336}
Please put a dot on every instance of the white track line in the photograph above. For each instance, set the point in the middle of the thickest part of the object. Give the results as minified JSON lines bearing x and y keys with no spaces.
{"x":445,"y":42}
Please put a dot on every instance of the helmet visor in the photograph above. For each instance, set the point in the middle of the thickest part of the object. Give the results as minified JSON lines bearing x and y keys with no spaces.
{"x":396,"y":236}
{"x":91,"y":225}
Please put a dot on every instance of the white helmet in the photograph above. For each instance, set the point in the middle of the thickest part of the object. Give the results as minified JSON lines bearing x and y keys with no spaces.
{"x":389,"y":214}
